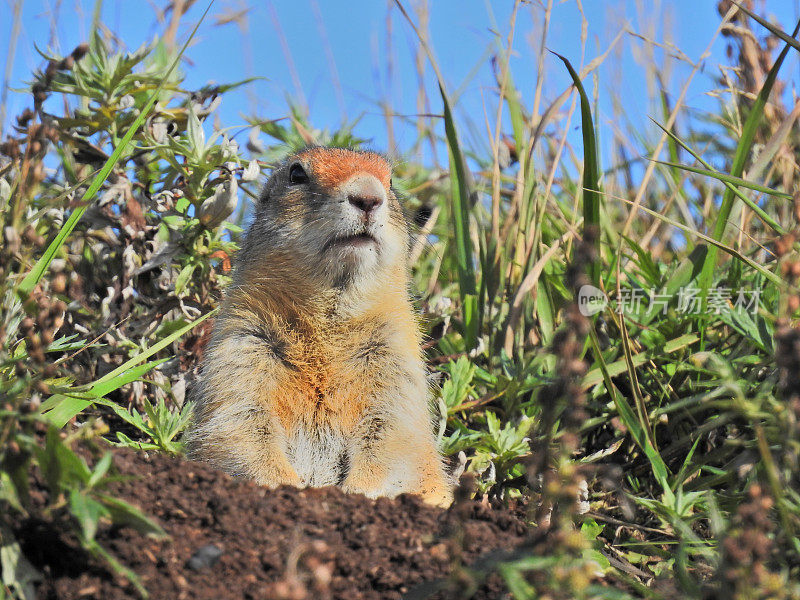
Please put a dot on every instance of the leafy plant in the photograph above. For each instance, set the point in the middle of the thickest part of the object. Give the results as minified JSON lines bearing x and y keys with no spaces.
{"x":78,"y":492}
{"x":161,"y":425}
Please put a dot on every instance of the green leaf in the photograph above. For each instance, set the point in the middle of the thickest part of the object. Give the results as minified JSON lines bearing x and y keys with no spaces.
{"x":740,"y":157}
{"x":59,"y":409}
{"x":183,"y":278}
{"x":456,"y":388}
{"x":591,"y":169}
{"x":646,"y":263}
{"x":122,"y":513}
{"x":125,"y":442}
{"x":8,"y":492}
{"x":100,"y":470}
{"x":195,"y":133}
{"x":591,"y":529}
{"x":752,"y":326}
{"x":17,"y":574}
{"x":61,"y":467}
{"x":687,"y":270}
{"x":87,"y":511}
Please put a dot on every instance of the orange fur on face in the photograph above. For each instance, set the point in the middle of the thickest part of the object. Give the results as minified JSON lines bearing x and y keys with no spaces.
{"x":334,"y":166}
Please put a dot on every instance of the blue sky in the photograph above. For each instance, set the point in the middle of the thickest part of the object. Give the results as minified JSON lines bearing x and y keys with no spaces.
{"x":355,"y":39}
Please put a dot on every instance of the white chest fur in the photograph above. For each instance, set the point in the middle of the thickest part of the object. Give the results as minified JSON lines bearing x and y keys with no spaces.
{"x":319,"y":457}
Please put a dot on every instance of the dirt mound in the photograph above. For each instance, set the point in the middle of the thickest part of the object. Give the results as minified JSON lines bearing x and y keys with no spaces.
{"x":232,"y":539}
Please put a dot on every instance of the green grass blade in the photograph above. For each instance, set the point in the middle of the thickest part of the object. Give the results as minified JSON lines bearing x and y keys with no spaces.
{"x":459,"y":205}
{"x":640,"y":435}
{"x":60,"y":408}
{"x":731,"y":183}
{"x":715,"y":244}
{"x":726,"y":179}
{"x":130,"y":363}
{"x":618,"y":367}
{"x":41,"y":266}
{"x":591,"y":169}
{"x":742,"y":152}
{"x":790,"y":40}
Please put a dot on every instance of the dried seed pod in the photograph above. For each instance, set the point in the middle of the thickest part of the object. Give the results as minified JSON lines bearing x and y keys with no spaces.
{"x":51,"y":133}
{"x":38,"y":174}
{"x":29,"y":236}
{"x":39,"y":93}
{"x":80,"y":51}
{"x":27,"y":325}
{"x":25,"y":117}
{"x":10,"y":148}
{"x":50,"y":71}
{"x":12,"y":240}
{"x":59,"y":285}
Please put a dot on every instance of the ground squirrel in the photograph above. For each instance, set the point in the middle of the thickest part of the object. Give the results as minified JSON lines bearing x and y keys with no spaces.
{"x":314,"y":373}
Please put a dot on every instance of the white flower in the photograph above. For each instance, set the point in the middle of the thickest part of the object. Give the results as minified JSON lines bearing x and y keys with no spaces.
{"x":158,"y":129}
{"x":251,"y":172}
{"x":229,"y":147}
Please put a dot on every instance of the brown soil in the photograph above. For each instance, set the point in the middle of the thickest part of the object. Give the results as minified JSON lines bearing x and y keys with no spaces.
{"x":232,"y":539}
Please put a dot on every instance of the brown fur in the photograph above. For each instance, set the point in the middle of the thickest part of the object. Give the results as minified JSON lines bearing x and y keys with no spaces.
{"x":314,"y":374}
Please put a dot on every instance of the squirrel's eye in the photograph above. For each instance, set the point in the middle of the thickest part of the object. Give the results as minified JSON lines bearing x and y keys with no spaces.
{"x":297,"y":175}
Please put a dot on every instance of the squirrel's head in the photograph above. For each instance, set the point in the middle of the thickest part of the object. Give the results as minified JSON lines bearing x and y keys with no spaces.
{"x":336,"y":209}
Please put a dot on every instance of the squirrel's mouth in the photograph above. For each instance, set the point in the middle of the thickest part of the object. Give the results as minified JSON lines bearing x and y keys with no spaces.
{"x":356,"y":240}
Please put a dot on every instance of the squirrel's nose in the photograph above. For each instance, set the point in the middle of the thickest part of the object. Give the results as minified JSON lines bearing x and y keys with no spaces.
{"x":365,"y":203}
{"x":365,"y":192}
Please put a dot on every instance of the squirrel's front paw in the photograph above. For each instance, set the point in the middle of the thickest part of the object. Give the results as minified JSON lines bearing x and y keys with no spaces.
{"x":274,"y":477}
{"x":366,"y":484}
